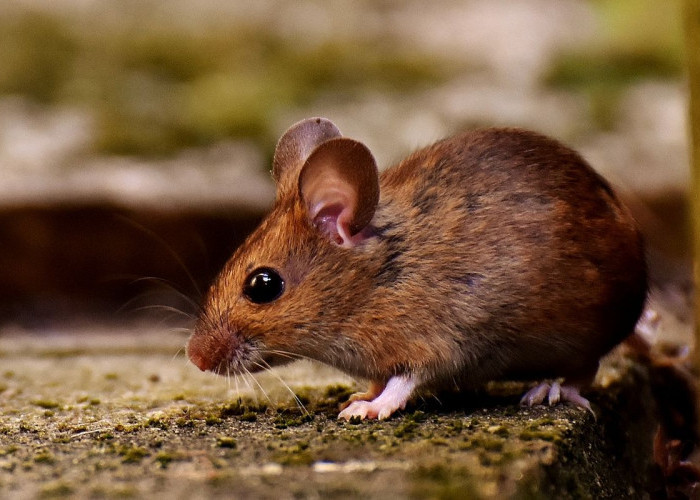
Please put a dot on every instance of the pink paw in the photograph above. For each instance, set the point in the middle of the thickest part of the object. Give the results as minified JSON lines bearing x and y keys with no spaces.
{"x":394,"y":397}
{"x":368,"y":409}
{"x":555,"y":393}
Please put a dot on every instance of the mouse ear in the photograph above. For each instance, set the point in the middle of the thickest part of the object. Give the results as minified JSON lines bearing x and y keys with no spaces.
{"x":297,"y":143}
{"x":339,"y":184}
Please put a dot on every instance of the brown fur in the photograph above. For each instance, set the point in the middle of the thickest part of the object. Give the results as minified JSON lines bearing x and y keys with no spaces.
{"x":494,"y":253}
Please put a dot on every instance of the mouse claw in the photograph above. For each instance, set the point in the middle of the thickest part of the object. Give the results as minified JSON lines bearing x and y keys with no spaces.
{"x":367,"y":410}
{"x":572,"y":395}
{"x":555,"y":393}
{"x":356,"y":409}
{"x":536,"y":395}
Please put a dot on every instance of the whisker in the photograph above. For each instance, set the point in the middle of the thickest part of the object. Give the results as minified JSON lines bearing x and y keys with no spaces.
{"x":265,"y":366}
{"x":177,"y":353}
{"x":161,"y":286}
{"x":284,"y":354}
{"x":127,"y":305}
{"x":289,"y":355}
{"x":260,"y":387}
{"x":170,"y":286}
{"x":168,"y":248}
{"x":250,"y":388}
{"x":170,"y":309}
{"x":181,"y":329}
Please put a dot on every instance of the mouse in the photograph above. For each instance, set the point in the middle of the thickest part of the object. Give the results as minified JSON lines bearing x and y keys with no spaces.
{"x":497,"y":253}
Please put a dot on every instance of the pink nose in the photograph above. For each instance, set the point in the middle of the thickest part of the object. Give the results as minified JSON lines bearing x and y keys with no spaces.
{"x":199,"y":354}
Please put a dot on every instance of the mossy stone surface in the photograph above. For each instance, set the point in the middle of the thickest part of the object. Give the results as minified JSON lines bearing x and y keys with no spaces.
{"x":134,"y":420}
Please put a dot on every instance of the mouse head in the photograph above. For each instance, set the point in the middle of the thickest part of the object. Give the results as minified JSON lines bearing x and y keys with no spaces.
{"x":296,"y":277}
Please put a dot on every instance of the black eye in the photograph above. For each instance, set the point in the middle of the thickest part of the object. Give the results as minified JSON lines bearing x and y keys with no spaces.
{"x":263,"y":285}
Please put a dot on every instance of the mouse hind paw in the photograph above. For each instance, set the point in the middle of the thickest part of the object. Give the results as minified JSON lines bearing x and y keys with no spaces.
{"x":555,"y":393}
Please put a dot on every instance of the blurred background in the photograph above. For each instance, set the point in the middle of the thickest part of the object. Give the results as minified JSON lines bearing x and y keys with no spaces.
{"x":136,"y":135}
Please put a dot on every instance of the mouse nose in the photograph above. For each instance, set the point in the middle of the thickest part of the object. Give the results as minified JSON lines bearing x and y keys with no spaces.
{"x":199,"y":355}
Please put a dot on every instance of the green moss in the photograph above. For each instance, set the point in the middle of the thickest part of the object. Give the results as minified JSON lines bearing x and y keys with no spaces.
{"x":496,"y":459}
{"x":304,"y":396}
{"x":132,"y":454}
{"x":127,"y":428}
{"x":406,"y":429}
{"x":487,"y":443}
{"x":8,"y":466}
{"x":183,"y":422}
{"x":157,"y":422}
{"x":46,"y":403}
{"x":25,"y":427}
{"x":164,"y":458}
{"x":8,"y":450}
{"x":241,"y":407}
{"x":339,"y":392}
{"x":56,"y":489}
{"x":114,"y":492}
{"x":532,"y":434}
{"x":225,"y":442}
{"x":249,"y":416}
{"x":292,"y":417}
{"x":44,"y":457}
{"x":499,"y":430}
{"x":212,"y":420}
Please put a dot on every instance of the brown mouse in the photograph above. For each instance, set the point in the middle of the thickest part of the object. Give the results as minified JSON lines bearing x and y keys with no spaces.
{"x":496,"y":253}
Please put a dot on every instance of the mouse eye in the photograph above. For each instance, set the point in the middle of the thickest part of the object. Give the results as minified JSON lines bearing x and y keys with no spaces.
{"x":263,"y":285}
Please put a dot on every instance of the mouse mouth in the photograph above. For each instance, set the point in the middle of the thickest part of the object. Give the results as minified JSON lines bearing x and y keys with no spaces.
{"x":248,"y":357}
{"x":242,"y":359}
{"x":224,"y":351}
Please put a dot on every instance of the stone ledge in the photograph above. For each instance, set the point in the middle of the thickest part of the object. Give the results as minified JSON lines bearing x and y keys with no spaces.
{"x":82,"y":416}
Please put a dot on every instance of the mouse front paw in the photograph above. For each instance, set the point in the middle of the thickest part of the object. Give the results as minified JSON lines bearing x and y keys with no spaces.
{"x":374,"y":390}
{"x":369,"y":410}
{"x":394,"y":397}
{"x":358,"y":409}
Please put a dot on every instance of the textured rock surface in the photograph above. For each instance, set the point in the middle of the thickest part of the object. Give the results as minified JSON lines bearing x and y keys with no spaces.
{"x":116,"y":414}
